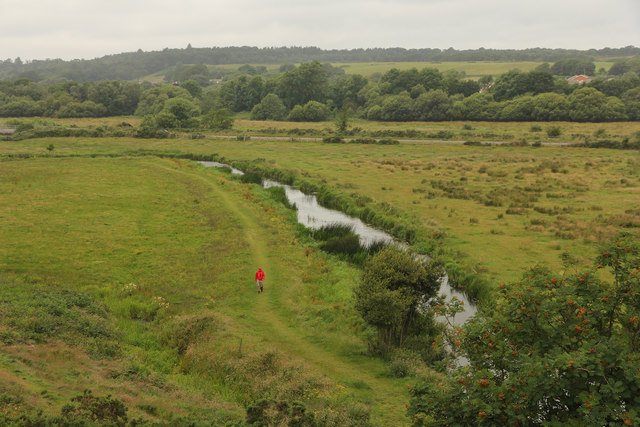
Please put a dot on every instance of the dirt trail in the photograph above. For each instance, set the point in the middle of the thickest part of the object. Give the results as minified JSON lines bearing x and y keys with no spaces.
{"x":293,"y":340}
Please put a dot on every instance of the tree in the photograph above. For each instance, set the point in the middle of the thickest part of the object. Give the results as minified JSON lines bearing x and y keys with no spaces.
{"x":515,"y":83}
{"x":432,"y":106}
{"x":395,"y":293}
{"x":342,"y":119}
{"x":182,"y":110}
{"x":549,"y":107}
{"x":590,"y":105}
{"x":152,"y":101}
{"x":573,"y":66}
{"x":518,"y":109}
{"x":270,"y":108}
{"x":296,"y":114}
{"x":315,"y":111}
{"x":82,"y":109}
{"x":479,"y":106}
{"x":556,"y":349}
{"x":398,"y":108}
{"x":193,"y":87}
{"x":306,"y":83}
{"x":219,"y":119}
{"x":346,"y":89}
{"x":631,"y":99}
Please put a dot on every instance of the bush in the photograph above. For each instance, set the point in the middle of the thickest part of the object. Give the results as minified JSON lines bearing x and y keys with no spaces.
{"x":394,"y":285}
{"x":554,"y":131}
{"x":96,"y":409}
{"x":561,"y":348}
{"x":333,"y":140}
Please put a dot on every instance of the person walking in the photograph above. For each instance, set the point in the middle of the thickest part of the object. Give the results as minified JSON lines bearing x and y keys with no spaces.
{"x":259,"y":279}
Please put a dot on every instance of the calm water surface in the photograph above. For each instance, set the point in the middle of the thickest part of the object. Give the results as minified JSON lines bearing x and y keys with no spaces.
{"x":314,"y":216}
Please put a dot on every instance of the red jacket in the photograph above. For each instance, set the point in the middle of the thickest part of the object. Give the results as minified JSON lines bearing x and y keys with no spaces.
{"x":259,"y":275}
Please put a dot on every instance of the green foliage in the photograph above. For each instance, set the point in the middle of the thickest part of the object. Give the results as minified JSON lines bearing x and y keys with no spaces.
{"x":150,"y":128}
{"x":218,"y":119}
{"x":178,"y":112}
{"x":631,"y":100}
{"x":573,"y":66}
{"x":434,"y":105}
{"x":554,"y":131}
{"x":193,"y":87}
{"x":516,"y":83}
{"x":83,"y":410}
{"x":36,"y":314}
{"x":99,"y":409}
{"x":395,"y":292}
{"x":282,"y":413}
{"x":279,"y":194}
{"x":312,"y":111}
{"x":270,"y":108}
{"x":181,"y":333}
{"x":590,"y":105}
{"x":307,"y":82}
{"x":557,"y":348}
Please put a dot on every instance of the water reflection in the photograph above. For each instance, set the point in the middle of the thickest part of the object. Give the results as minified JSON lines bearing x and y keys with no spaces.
{"x":314,"y":216}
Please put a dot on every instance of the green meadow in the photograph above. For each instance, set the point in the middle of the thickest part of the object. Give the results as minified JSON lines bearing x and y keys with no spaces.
{"x":133,"y":277}
{"x":130,"y":272}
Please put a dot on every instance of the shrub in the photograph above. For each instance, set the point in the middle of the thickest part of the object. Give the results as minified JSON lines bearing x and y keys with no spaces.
{"x":96,"y":409}
{"x":554,"y":131}
{"x":570,"y":359}
{"x":393,"y":286}
{"x":333,"y":139}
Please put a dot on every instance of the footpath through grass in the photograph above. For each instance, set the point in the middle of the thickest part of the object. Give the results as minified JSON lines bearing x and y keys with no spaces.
{"x":134,"y":277}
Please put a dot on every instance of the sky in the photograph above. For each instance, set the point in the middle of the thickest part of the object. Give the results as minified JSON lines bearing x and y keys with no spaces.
{"x":86,"y":29}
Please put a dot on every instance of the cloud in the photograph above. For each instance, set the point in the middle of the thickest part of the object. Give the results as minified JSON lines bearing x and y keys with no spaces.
{"x":37,"y":29}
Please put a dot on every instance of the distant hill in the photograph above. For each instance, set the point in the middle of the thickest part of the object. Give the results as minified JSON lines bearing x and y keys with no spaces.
{"x":135,"y":65}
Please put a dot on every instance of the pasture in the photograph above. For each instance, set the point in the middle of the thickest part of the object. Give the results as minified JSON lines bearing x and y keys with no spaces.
{"x":133,"y":276}
{"x":500,"y":207}
{"x":133,"y":273}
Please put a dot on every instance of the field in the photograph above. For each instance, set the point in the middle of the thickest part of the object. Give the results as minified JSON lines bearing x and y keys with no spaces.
{"x":133,"y":273}
{"x":501,"y":207}
{"x":456,"y":131}
{"x":133,"y":277}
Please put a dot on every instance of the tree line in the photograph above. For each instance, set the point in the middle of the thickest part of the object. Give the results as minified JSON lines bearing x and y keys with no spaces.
{"x":314,"y":91}
{"x":134,"y":65}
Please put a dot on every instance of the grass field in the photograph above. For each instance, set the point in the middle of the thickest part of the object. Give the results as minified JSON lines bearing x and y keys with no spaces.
{"x":531,"y":132}
{"x":460,"y":131}
{"x":133,"y":277}
{"x":132,"y":274}
{"x":502,"y":207}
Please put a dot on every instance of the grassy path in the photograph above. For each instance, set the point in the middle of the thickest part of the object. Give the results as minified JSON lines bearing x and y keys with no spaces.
{"x":268,"y":320}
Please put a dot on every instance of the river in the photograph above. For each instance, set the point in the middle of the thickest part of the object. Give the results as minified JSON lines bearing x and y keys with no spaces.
{"x":314,"y":216}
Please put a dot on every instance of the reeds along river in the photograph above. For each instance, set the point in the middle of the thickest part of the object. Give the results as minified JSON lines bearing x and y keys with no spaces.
{"x":314,"y":216}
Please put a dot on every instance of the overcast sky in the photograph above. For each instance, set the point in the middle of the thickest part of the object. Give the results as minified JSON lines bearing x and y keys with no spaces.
{"x":69,"y":29}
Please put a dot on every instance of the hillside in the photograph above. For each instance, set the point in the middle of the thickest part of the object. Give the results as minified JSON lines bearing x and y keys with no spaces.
{"x":133,"y":277}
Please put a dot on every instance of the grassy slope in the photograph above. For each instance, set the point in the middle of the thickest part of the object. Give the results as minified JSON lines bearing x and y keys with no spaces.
{"x":194,"y":238}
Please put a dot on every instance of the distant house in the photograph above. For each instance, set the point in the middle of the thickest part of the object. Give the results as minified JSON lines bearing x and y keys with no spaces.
{"x":578,"y":80}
